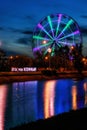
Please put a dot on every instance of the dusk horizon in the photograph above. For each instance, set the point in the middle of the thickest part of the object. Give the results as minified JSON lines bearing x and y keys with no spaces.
{"x":19,"y":19}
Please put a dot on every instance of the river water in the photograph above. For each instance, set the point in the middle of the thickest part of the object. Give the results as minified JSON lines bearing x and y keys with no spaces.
{"x":24,"y":102}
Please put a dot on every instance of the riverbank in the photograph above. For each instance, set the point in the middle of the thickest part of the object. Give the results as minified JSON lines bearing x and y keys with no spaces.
{"x":8,"y":77}
{"x":73,"y":120}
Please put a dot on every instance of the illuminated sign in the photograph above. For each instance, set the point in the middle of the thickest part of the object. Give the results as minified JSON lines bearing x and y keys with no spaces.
{"x":25,"y":69}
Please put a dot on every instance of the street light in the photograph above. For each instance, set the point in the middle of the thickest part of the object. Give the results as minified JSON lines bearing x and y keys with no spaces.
{"x":49,"y":51}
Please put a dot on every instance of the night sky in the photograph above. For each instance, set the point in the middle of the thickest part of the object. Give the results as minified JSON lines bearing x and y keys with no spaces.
{"x":18,"y":19}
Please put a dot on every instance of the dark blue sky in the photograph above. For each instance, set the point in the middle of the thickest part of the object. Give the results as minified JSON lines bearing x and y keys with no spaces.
{"x":18,"y":18}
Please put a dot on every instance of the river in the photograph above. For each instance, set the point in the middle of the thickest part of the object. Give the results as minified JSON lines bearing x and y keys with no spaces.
{"x":24,"y":102}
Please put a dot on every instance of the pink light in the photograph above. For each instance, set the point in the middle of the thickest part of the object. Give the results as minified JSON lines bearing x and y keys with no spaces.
{"x":49,"y":94}
{"x":3,"y":94}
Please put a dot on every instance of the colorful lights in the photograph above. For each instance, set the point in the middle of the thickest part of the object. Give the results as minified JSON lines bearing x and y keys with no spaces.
{"x":85,"y":89}
{"x":66,"y":27}
{"x":59,"y":30}
{"x":41,"y":46}
{"x":44,"y":41}
{"x":69,"y":35}
{"x":25,"y":69}
{"x":50,"y":23}
{"x":59,"y":20}
{"x":49,"y":95}
{"x":3,"y":94}
{"x":40,"y":38}
{"x":49,"y":50}
{"x":74,"y":97}
{"x":41,"y":27}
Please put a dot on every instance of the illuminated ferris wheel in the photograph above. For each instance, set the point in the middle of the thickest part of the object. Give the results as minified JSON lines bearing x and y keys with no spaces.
{"x":54,"y":32}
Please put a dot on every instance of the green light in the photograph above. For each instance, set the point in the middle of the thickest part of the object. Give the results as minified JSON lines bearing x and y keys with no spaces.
{"x":44,"y":45}
{"x":70,"y":35}
{"x":57,"y":30}
{"x":45,"y":52}
{"x":40,"y":38}
{"x":58,"y":44}
{"x":68,"y":24}
{"x":50,"y":23}
{"x":42,"y":28}
{"x":53,"y":48}
{"x":47,"y":44}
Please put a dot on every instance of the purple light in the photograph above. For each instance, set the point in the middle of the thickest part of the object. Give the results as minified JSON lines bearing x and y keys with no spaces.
{"x":74,"y":33}
{"x":41,"y":27}
{"x":59,"y":19}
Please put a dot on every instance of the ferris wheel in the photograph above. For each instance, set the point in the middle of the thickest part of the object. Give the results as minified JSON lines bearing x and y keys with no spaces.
{"x":54,"y":32}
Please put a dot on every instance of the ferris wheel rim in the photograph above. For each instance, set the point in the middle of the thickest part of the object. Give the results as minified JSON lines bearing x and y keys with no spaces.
{"x":51,"y":37}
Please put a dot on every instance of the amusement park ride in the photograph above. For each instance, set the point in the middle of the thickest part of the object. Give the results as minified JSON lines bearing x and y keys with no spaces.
{"x":54,"y":32}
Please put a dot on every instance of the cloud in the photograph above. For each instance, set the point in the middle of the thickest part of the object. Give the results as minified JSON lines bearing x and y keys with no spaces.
{"x":29,"y":17}
{"x":14,"y":30}
{"x":24,"y":40}
{"x":84,"y":16}
{"x":10,"y":29}
{"x":1,"y":28}
{"x":23,"y":31}
{"x":83,"y":30}
{"x":28,"y":32}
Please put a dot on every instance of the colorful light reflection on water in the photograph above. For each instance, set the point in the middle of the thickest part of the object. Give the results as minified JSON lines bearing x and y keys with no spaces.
{"x":3,"y":95}
{"x":24,"y":102}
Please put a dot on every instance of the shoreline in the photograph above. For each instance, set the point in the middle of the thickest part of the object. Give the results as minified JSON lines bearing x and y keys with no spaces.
{"x":8,"y":77}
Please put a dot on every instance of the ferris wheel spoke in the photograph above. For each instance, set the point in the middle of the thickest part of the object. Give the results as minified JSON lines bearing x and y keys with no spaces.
{"x":50,"y":23}
{"x":45,"y":52}
{"x":41,"y":46}
{"x":40,"y":38}
{"x":69,"y":35}
{"x":53,"y":48}
{"x":58,"y":23}
{"x":66,"y":27}
{"x":65,"y":43}
{"x":55,"y":32}
{"x":58,"y":44}
{"x":42,"y":28}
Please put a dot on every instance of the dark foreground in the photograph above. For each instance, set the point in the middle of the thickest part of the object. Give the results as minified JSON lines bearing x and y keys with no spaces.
{"x":73,"y":120}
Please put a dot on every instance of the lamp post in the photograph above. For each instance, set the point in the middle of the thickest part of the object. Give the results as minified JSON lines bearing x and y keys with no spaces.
{"x":49,"y":51}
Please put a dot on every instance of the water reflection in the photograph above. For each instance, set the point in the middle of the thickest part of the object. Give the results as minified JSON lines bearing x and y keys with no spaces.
{"x":23,"y":102}
{"x":3,"y":96}
{"x":74,"y":97}
{"x":63,"y":95}
{"x":49,"y":95}
{"x":85,"y":89}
